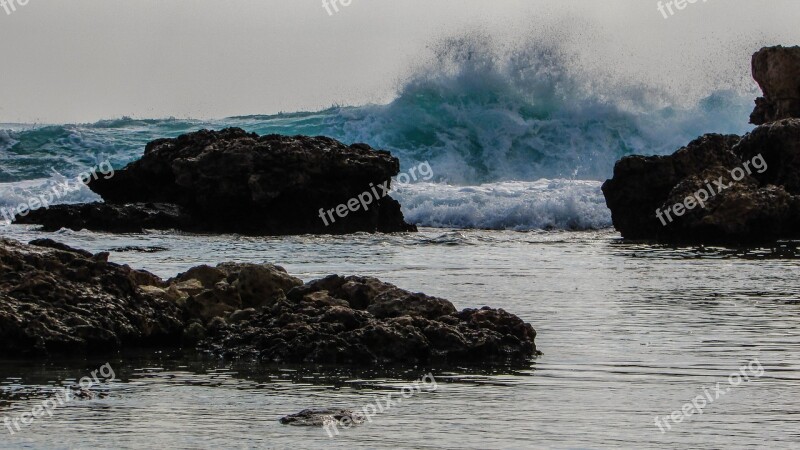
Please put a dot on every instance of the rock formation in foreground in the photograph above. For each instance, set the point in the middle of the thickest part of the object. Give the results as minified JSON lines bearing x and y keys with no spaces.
{"x":722,"y":189}
{"x":56,"y":300}
{"x":239,"y":182}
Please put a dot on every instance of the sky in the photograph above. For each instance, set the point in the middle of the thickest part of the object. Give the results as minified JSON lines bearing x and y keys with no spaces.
{"x":85,"y":60}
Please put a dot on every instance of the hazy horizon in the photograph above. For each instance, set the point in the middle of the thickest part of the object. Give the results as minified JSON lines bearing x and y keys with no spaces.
{"x":83,"y":60}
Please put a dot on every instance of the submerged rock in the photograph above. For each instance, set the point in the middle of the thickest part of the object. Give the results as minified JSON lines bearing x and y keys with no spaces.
{"x":234,"y":181}
{"x":322,"y":417}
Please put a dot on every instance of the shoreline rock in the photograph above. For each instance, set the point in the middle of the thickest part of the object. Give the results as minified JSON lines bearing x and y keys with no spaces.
{"x":761,"y":206}
{"x":231,"y":181}
{"x":55,"y":299}
{"x":58,"y":300}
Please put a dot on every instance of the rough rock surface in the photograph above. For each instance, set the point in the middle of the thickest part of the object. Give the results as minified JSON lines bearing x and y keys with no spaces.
{"x":220,"y":291}
{"x":54,"y":299}
{"x":128,"y":218}
{"x":322,"y":417}
{"x":234,"y":181}
{"x":761,"y":206}
{"x":362,"y":320}
{"x":777,"y":71}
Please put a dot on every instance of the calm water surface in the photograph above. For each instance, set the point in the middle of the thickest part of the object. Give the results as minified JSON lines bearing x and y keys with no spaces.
{"x":629,"y":332}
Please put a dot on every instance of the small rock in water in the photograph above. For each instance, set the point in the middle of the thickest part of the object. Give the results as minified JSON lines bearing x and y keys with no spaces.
{"x":321,"y":417}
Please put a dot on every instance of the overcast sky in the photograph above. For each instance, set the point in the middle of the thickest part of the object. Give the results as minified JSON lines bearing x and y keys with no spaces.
{"x":85,"y":60}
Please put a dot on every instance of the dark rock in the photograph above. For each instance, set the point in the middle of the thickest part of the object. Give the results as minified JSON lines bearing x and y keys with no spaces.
{"x":362,"y":320}
{"x":763,"y":206}
{"x":322,"y":417}
{"x":234,"y":181}
{"x":777,"y":71}
{"x":641,"y":184}
{"x":242,"y":315}
{"x":760,"y":172}
{"x":779,"y":144}
{"x":54,"y":299}
{"x":126,"y":218}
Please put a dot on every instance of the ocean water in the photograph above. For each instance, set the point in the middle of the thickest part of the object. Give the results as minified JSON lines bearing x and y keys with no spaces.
{"x":519,"y":144}
{"x":628,"y":332}
{"x":517,"y":138}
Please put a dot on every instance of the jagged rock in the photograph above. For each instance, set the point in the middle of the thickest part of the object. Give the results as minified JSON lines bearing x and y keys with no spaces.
{"x":641,"y":184}
{"x":219,"y":291}
{"x":331,"y":321}
{"x":777,"y":71}
{"x":55,"y":299}
{"x":779,"y":144}
{"x":234,"y":181}
{"x":760,"y":171}
{"x":750,"y":210}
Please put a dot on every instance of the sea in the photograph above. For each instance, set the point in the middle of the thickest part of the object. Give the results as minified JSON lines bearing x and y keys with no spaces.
{"x":512,"y":217}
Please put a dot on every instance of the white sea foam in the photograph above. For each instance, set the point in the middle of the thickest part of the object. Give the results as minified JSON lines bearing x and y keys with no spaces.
{"x":510,"y":205}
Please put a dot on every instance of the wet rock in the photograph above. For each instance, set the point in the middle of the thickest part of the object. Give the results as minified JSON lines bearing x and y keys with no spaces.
{"x":194,"y":333}
{"x":318,"y":323}
{"x":55,"y":299}
{"x":259,"y":285}
{"x":242,"y":315}
{"x":758,"y":200}
{"x":221,"y":290}
{"x":642,"y":184}
{"x":322,"y":417}
{"x":779,"y":144}
{"x":239,"y":182}
{"x":116,"y":218}
{"x":750,"y":210}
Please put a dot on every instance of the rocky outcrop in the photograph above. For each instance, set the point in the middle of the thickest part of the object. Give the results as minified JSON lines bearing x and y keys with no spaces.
{"x":127,"y":218}
{"x":55,"y":299}
{"x":234,"y":181}
{"x":209,"y":292}
{"x":777,"y":71}
{"x":361,"y":320}
{"x":721,"y":189}
{"x":642,"y":184}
